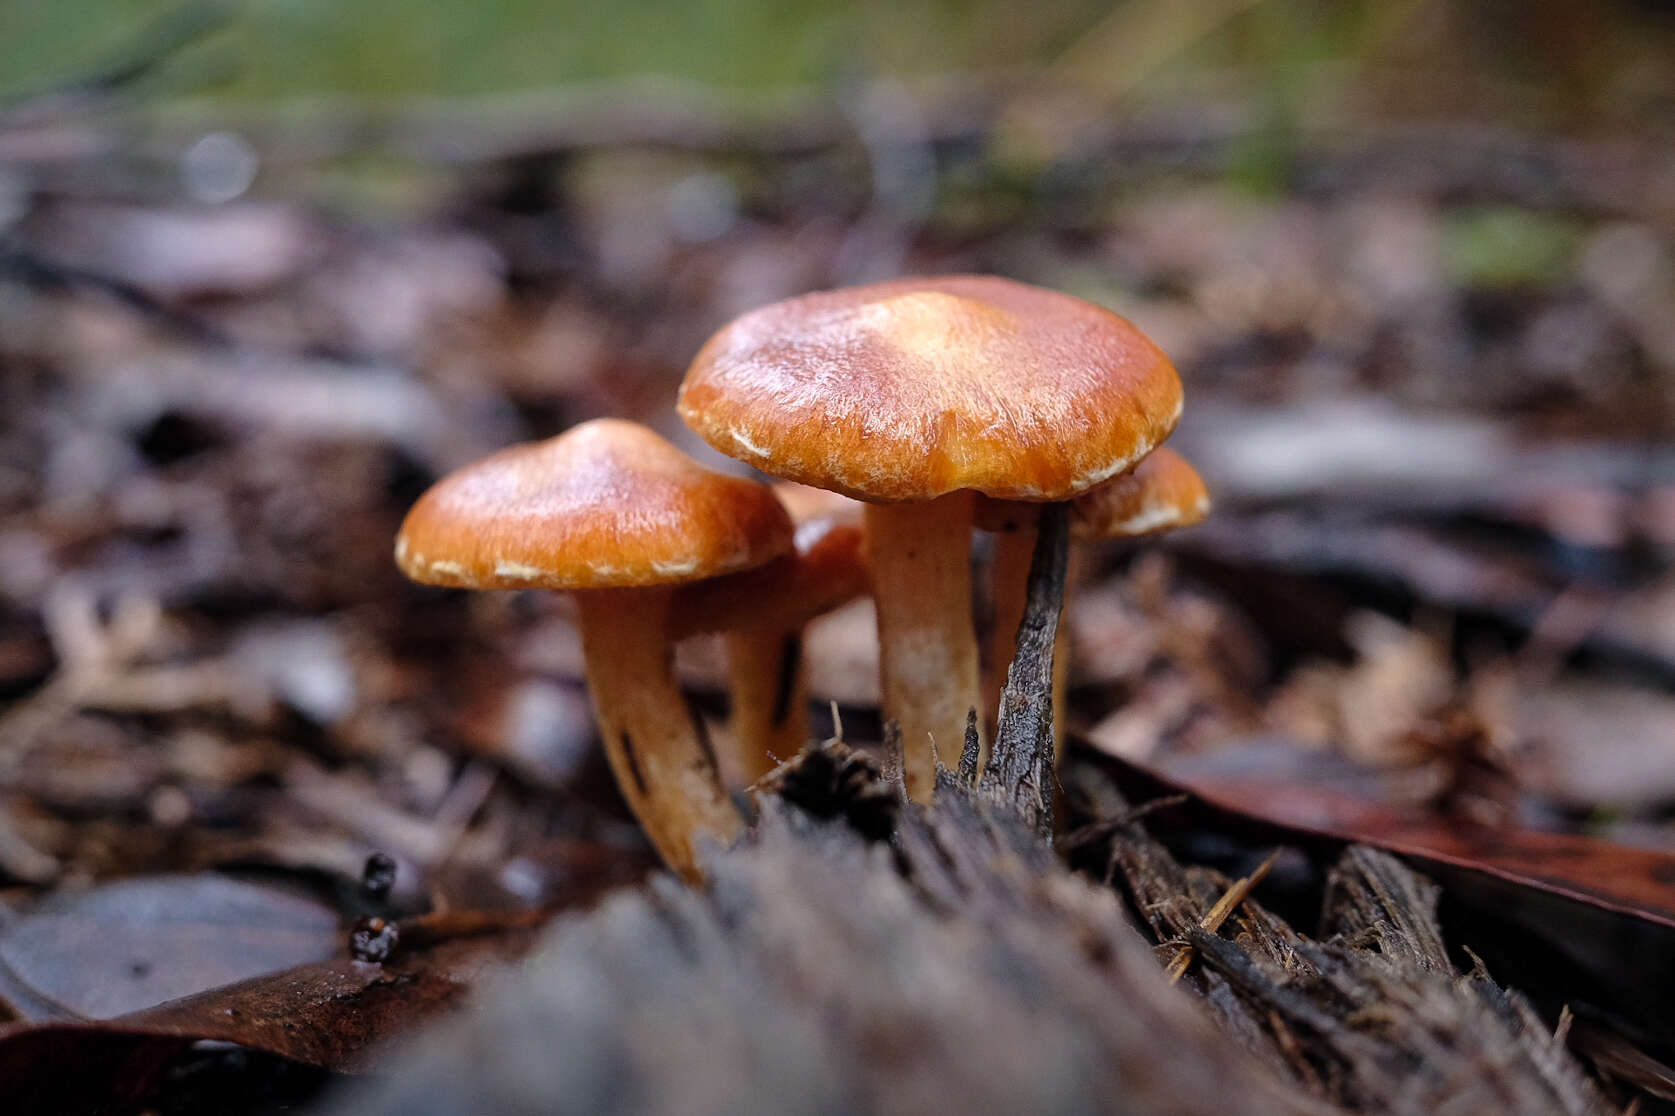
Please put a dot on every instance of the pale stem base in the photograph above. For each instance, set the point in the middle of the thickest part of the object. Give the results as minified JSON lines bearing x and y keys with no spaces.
{"x":655,"y":742}
{"x":770,"y":702}
{"x":921,"y":570}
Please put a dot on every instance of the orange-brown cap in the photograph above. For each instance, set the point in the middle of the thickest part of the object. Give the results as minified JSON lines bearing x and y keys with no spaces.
{"x":915,"y":388}
{"x":1161,"y":493}
{"x":828,"y":569}
{"x":607,"y":503}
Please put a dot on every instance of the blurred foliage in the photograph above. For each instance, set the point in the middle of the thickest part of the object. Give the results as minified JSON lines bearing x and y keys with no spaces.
{"x":1504,"y":247}
{"x":286,"y":48}
{"x":1557,"y":60}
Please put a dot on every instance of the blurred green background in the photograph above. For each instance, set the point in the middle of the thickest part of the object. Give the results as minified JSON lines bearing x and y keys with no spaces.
{"x":1562,"y":60}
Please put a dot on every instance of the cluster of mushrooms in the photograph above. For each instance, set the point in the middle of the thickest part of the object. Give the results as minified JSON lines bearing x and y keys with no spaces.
{"x":906,"y":414}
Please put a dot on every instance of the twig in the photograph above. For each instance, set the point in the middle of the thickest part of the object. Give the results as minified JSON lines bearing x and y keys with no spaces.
{"x":891,"y":758}
{"x":971,"y":753}
{"x":378,"y":940}
{"x":1216,"y":915}
{"x":462,"y":802}
{"x":1020,"y":771}
{"x":40,"y":273}
{"x":1095,"y":831}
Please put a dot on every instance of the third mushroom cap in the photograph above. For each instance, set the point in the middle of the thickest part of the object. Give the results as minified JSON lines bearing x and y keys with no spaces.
{"x":913,"y":395}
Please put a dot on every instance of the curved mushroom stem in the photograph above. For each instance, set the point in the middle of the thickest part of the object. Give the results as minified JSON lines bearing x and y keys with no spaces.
{"x":770,"y":702}
{"x":656,"y":744}
{"x":1009,"y":586}
{"x":921,"y":573}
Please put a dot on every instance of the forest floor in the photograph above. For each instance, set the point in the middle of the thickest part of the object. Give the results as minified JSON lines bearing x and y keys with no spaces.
{"x":1430,"y":379}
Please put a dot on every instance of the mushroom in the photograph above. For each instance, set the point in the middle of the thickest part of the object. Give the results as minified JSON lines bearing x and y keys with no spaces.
{"x":763,"y":612}
{"x":619,"y":516}
{"x":1161,"y":493}
{"x":914,"y":395}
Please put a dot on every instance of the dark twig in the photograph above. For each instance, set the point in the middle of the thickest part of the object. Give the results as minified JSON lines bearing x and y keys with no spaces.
{"x":1020,"y":771}
{"x":1099,"y":830}
{"x":970,"y":754}
{"x":891,"y":761}
{"x":379,"y":939}
{"x":1217,"y":914}
{"x":38,"y":272}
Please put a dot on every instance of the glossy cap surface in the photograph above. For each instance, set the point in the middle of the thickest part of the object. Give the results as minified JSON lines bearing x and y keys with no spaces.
{"x":827,"y":569}
{"x":915,"y":388}
{"x":606,"y":504}
{"x":1161,"y":493}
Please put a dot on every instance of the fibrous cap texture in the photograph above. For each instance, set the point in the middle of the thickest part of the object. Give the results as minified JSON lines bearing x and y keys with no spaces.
{"x":915,"y":388}
{"x":1161,"y":493}
{"x":606,"y":504}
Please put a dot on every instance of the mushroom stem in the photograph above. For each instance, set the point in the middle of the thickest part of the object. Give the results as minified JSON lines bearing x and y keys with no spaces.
{"x":656,"y":744}
{"x":1009,"y":587}
{"x":770,"y":702}
{"x":921,"y":569}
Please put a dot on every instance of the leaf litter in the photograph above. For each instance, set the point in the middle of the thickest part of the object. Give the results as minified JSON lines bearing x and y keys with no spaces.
{"x":1438,"y":571}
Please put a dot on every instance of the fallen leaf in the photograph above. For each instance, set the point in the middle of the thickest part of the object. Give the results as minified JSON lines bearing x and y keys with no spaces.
{"x":1632,"y":881}
{"x":330,"y":1014}
{"x":126,"y":946}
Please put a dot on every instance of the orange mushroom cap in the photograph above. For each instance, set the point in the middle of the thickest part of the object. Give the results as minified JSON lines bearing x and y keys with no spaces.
{"x":827,"y":569}
{"x":911,"y":389}
{"x":608,"y":503}
{"x":1161,"y":493}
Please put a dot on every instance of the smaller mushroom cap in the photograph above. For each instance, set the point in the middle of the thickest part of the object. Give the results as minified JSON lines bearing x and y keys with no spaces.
{"x":606,"y":504}
{"x":827,"y":569}
{"x":1161,"y":493}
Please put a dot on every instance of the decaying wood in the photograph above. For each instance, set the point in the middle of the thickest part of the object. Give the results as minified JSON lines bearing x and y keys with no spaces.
{"x":1229,"y":902}
{"x":862,"y":954}
{"x":956,"y":968}
{"x":1373,"y":1015}
{"x":1020,"y":771}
